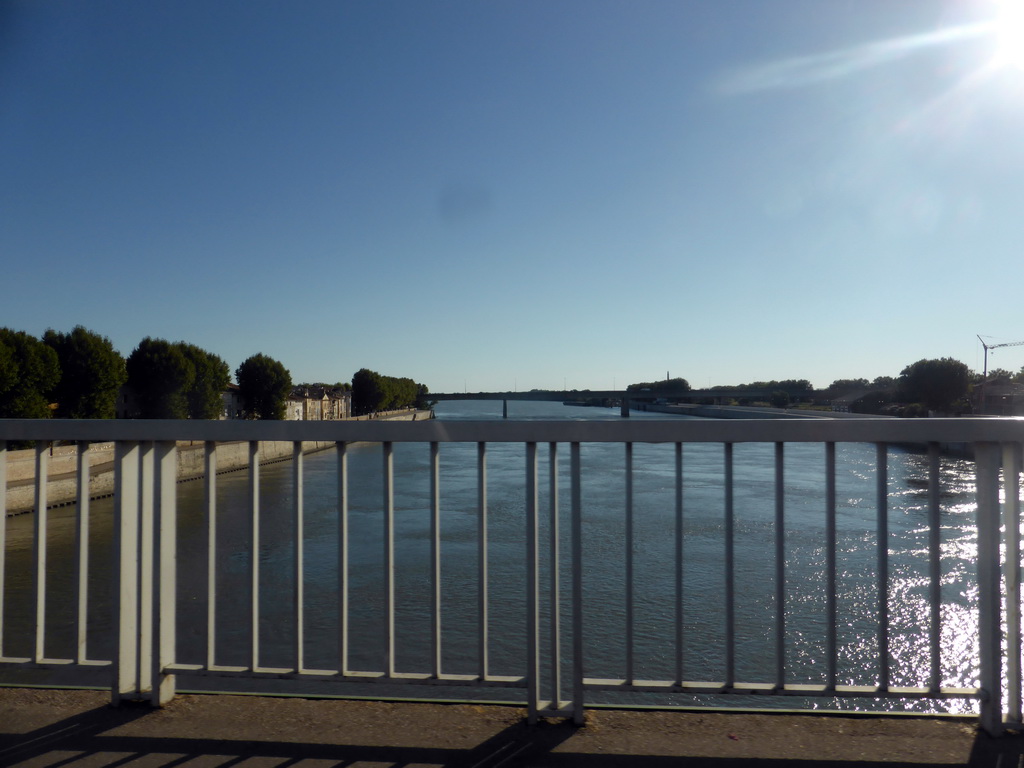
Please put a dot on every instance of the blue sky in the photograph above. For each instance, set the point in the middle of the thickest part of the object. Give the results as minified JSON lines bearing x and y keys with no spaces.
{"x":522,"y":194}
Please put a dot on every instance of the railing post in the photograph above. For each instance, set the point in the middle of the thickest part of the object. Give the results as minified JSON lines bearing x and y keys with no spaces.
{"x":342,"y":559}
{"x":532,"y":592}
{"x":125,"y":684}
{"x":389,"y":558}
{"x":299,"y":545}
{"x":577,"y":584}
{"x":254,"y":554}
{"x":483,"y":622}
{"x":3,"y":536}
{"x":165,"y":558}
{"x":210,"y":506}
{"x":987,"y":456}
{"x":147,"y":494}
{"x":435,"y":557}
{"x":1011,"y":575}
{"x":555,"y":590}
{"x":40,"y":537}
{"x":82,"y":553}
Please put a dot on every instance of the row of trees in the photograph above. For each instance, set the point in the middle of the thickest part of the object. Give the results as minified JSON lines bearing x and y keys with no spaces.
{"x":942,"y":385}
{"x":79,"y":375}
{"x":795,"y":388}
{"x":176,"y":381}
{"x":668,"y":385}
{"x":372,"y":392}
{"x":181,"y":381}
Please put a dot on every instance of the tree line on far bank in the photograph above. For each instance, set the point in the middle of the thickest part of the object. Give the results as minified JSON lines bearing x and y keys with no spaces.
{"x":79,"y":375}
{"x":938,"y":385}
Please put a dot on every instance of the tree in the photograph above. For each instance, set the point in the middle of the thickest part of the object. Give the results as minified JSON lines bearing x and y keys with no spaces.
{"x":999,"y":376}
{"x":839,"y":387}
{"x":205,"y":396}
{"x":423,"y":400}
{"x":373,"y":392}
{"x":159,"y":375}
{"x":368,"y":391}
{"x":937,"y":384}
{"x":779,"y":399}
{"x":29,"y":371}
{"x":92,"y":374}
{"x":263,"y":385}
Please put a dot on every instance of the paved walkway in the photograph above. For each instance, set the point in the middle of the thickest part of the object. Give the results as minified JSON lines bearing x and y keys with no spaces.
{"x":76,"y":729}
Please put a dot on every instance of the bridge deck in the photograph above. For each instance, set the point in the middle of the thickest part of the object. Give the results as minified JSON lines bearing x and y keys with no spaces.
{"x":77,"y":729}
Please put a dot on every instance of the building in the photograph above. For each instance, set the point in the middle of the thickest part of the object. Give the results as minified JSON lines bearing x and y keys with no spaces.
{"x":318,"y":403}
{"x":1000,"y":399}
{"x":232,"y":403}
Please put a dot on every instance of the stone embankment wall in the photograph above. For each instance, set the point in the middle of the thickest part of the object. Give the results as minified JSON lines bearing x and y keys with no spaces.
{"x":62,"y":469}
{"x":749,"y":412}
{"x":732,"y":412}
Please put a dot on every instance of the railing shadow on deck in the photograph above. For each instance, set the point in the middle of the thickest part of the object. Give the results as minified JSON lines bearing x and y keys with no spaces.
{"x":91,"y":738}
{"x":88,"y":735}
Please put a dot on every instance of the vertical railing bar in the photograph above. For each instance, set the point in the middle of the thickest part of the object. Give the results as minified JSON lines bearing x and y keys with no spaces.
{"x":882,"y":543}
{"x":147,"y":505}
{"x":210,"y":485}
{"x":482,"y":632}
{"x":831,"y":651}
{"x":3,"y":537}
{"x":164,"y":565}
{"x":343,"y":585}
{"x":780,"y":567}
{"x":679,"y":532}
{"x":730,"y":576}
{"x":39,"y":549}
{"x":81,"y":551}
{"x":1011,"y":572}
{"x":934,"y":569}
{"x":630,"y":678}
{"x":532,"y":594}
{"x":389,"y":557}
{"x":555,"y":599}
{"x":254,"y":556}
{"x":299,"y":584}
{"x":989,"y":633}
{"x":435,"y":556}
{"x":125,"y":682}
{"x":577,"y":582}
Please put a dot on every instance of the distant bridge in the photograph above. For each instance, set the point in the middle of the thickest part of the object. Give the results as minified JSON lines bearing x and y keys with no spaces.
{"x":623,"y":396}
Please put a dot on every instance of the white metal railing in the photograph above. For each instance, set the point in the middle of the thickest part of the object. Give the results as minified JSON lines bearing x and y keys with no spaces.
{"x":144,"y":660}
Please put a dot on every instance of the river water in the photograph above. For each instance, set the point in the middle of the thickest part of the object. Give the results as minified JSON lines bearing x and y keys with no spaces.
{"x":603,"y":564}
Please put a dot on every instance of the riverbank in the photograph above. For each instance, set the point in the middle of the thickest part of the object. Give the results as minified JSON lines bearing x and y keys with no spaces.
{"x":62,"y":469}
{"x":746,"y":412}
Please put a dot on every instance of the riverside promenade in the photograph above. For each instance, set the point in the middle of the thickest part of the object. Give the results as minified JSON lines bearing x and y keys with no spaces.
{"x":78,"y":729}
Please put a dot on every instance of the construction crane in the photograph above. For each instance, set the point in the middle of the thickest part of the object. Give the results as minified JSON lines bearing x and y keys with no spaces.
{"x":984,"y":375}
{"x":995,"y":346}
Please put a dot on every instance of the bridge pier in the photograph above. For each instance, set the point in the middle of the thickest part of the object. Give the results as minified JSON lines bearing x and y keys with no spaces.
{"x":625,"y":408}
{"x":504,"y":409}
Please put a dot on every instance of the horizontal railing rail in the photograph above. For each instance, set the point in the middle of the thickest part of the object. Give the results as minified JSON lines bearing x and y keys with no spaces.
{"x":957,"y":430}
{"x":556,"y":673}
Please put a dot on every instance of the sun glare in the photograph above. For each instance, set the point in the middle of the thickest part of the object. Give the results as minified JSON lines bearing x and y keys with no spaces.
{"x":1010,"y":34}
